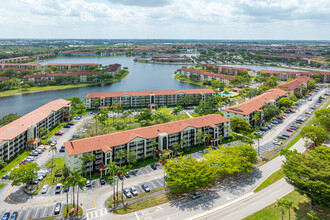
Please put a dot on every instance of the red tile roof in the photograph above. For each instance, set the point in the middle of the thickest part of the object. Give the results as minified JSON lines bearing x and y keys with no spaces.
{"x":20,"y":125}
{"x":218,"y":75}
{"x":72,"y":64}
{"x":257,"y":102}
{"x":228,"y":67}
{"x":107,"y":141}
{"x":20,"y":64}
{"x":147,"y":93}
{"x":296,"y":83}
{"x":113,"y":67}
{"x":293,"y":73}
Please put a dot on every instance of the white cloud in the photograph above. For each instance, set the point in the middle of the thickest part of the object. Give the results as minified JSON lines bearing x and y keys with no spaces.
{"x":166,"y":18}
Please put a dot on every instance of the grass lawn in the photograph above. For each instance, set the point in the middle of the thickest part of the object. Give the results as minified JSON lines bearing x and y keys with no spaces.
{"x":64,"y":214}
{"x":2,"y":185}
{"x":157,"y":200}
{"x":13,"y":162}
{"x":270,"y":180}
{"x":301,"y":205}
{"x":58,"y":165}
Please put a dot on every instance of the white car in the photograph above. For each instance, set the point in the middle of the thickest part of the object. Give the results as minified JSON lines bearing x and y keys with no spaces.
{"x":134,"y":191}
{"x":44,"y":189}
{"x":127,"y":193}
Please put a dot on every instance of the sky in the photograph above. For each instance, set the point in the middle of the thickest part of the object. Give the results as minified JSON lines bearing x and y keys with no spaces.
{"x":166,"y":19}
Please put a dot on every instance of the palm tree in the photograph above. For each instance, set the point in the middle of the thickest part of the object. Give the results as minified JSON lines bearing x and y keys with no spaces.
{"x":258,"y":136}
{"x":176,"y":147}
{"x":256,"y":117}
{"x":52,"y":149}
{"x":111,"y":167}
{"x":81,"y":182}
{"x":120,"y":155}
{"x":206,"y":138}
{"x":65,"y":184}
{"x":86,"y":159}
{"x":72,"y":182}
{"x":123,"y":171}
{"x":154,"y":148}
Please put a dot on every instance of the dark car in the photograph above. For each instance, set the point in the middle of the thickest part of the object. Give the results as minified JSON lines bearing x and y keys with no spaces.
{"x":196,"y":195}
{"x":5,"y":216}
{"x":285,"y":135}
{"x":102,"y":181}
{"x":287,"y":111}
{"x":70,"y":124}
{"x":282,"y":137}
{"x":57,"y":209}
{"x":145,"y":187}
{"x":264,"y":129}
{"x":13,"y":216}
{"x":62,"y":149}
{"x":5,"y":176}
{"x":66,"y":189}
{"x":153,"y":166}
{"x":66,"y":126}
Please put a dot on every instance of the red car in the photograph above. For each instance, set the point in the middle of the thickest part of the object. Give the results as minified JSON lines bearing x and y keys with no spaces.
{"x":289,"y":130}
{"x":59,"y":133}
{"x":22,"y":163}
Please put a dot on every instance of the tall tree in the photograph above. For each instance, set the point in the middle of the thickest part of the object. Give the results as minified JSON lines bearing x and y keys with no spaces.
{"x":317,"y":134}
{"x":120,"y":155}
{"x":25,"y":174}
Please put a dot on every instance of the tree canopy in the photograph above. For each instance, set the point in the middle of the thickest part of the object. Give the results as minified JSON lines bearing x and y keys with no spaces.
{"x":271,"y":111}
{"x":285,"y":102}
{"x":316,"y":134}
{"x":25,"y":174}
{"x":9,"y":118}
{"x":239,"y":125}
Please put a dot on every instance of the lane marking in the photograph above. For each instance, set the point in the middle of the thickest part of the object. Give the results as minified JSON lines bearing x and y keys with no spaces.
{"x":136,"y":215}
{"x":94,"y":204}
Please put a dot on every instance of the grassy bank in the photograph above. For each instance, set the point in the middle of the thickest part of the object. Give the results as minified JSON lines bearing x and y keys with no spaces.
{"x":154,"y":201}
{"x":178,"y":77}
{"x":270,"y":180}
{"x":301,"y":206}
{"x":56,"y":87}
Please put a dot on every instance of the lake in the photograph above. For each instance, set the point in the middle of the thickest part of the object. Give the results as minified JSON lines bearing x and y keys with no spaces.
{"x":143,"y":76}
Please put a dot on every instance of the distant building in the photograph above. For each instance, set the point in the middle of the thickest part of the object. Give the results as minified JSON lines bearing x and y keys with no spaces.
{"x":113,"y":69}
{"x":52,"y":76}
{"x":228,"y":70}
{"x":68,"y":66}
{"x":14,"y":59}
{"x":2,"y":79}
{"x":140,"y":140}
{"x":175,"y":58}
{"x":25,"y":66}
{"x":152,"y":99}
{"x":285,"y":75}
{"x":202,"y":75}
{"x":24,"y":132}
{"x":295,"y":86}
{"x":247,"y":109}
{"x":43,"y":56}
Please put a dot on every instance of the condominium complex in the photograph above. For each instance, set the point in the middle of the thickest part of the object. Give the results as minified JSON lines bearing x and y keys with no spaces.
{"x":45,"y":78}
{"x":106,"y":147}
{"x":25,"y":66}
{"x":202,"y":75}
{"x":295,"y":86}
{"x":247,"y":109}
{"x":68,"y":66}
{"x":24,"y":132}
{"x":285,"y":75}
{"x":228,"y":70}
{"x":146,"y":98}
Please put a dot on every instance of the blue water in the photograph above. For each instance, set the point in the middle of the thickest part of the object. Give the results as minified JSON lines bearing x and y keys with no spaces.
{"x":229,"y":93}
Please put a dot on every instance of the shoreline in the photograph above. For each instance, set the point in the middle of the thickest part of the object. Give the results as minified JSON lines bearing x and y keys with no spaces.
{"x":61,"y":87}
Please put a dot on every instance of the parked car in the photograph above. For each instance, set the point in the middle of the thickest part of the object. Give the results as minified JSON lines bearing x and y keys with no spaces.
{"x":66,"y":126}
{"x":30,"y":158}
{"x":57,"y":209}
{"x":5,"y":176}
{"x":88,"y":183}
{"x":285,"y":135}
{"x":40,"y":177}
{"x":196,"y":195}
{"x":66,"y":189}
{"x":33,"y":154}
{"x":13,"y":216}
{"x":5,"y":216}
{"x":264,"y":128}
{"x":289,"y":130}
{"x":62,"y":149}
{"x":134,"y":191}
{"x":102,"y":181}
{"x":59,"y":133}
{"x":53,"y":143}
{"x":39,"y":150}
{"x":71,"y":124}
{"x":44,"y":189}
{"x":153,"y":166}
{"x":287,"y":111}
{"x":127,"y":193}
{"x":275,"y":121}
{"x":282,"y":137}
{"x":58,"y":188}
{"x":145,"y":187}
{"x":277,"y":142}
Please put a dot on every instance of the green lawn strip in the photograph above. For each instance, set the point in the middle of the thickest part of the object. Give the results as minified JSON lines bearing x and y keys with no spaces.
{"x":301,"y":206}
{"x":178,"y":77}
{"x":2,"y":185}
{"x":48,"y":180}
{"x":110,"y":201}
{"x":13,"y":162}
{"x":64,"y":214}
{"x":154,"y":201}
{"x":270,"y":180}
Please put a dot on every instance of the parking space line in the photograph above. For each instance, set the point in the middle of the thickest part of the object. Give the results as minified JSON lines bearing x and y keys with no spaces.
{"x":27,"y":214}
{"x":153,"y":185}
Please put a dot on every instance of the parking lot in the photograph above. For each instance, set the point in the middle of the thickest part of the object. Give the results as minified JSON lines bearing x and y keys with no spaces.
{"x":28,"y":212}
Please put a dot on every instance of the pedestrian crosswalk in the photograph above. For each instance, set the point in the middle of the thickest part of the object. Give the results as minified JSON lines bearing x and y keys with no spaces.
{"x":96,"y":213}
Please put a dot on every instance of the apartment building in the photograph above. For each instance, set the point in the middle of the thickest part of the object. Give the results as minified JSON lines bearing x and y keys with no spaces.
{"x":176,"y":58}
{"x":52,"y":76}
{"x":43,"y":56}
{"x":228,"y":70}
{"x":140,"y":140}
{"x":113,"y":69}
{"x":68,"y":66}
{"x":14,"y":59}
{"x":24,"y":132}
{"x":202,"y":75}
{"x":285,"y":75}
{"x":24,"y":66}
{"x":150,"y":99}
{"x":247,"y":109}
{"x":295,"y":86}
{"x":4,"y":78}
